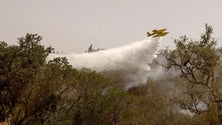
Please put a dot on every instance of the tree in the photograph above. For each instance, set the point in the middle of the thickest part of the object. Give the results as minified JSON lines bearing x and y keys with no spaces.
{"x":198,"y":66}
{"x":18,"y":67}
{"x":92,"y":99}
{"x":33,"y":91}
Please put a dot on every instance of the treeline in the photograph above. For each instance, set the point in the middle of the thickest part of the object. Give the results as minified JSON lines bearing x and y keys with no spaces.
{"x":39,"y":92}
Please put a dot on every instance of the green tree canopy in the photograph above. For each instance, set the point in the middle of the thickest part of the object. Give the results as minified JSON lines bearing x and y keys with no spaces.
{"x":198,"y":64}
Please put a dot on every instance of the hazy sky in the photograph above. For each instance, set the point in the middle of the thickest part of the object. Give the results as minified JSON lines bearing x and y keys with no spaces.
{"x":72,"y":25}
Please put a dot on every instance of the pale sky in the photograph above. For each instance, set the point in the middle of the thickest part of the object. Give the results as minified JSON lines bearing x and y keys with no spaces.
{"x":72,"y":25}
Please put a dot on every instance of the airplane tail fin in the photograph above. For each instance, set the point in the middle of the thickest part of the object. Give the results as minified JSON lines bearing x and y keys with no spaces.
{"x":148,"y":34}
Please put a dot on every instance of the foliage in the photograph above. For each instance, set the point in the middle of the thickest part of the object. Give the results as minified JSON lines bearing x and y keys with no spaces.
{"x":39,"y":92}
{"x":198,"y":66}
{"x":33,"y":91}
{"x":19,"y":64}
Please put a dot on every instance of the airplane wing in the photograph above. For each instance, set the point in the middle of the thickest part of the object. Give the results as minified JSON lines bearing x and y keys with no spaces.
{"x":159,"y":35}
{"x":159,"y":31}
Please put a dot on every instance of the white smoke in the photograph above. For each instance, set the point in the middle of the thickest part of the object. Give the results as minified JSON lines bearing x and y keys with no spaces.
{"x":132,"y":58}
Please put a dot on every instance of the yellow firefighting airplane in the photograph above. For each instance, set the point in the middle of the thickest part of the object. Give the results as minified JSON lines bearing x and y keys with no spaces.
{"x":157,"y":33}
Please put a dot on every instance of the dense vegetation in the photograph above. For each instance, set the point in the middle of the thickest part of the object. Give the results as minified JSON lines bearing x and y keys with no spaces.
{"x":39,"y":92}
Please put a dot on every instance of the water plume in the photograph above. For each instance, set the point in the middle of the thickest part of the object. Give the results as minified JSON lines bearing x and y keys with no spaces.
{"x":132,"y":59}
